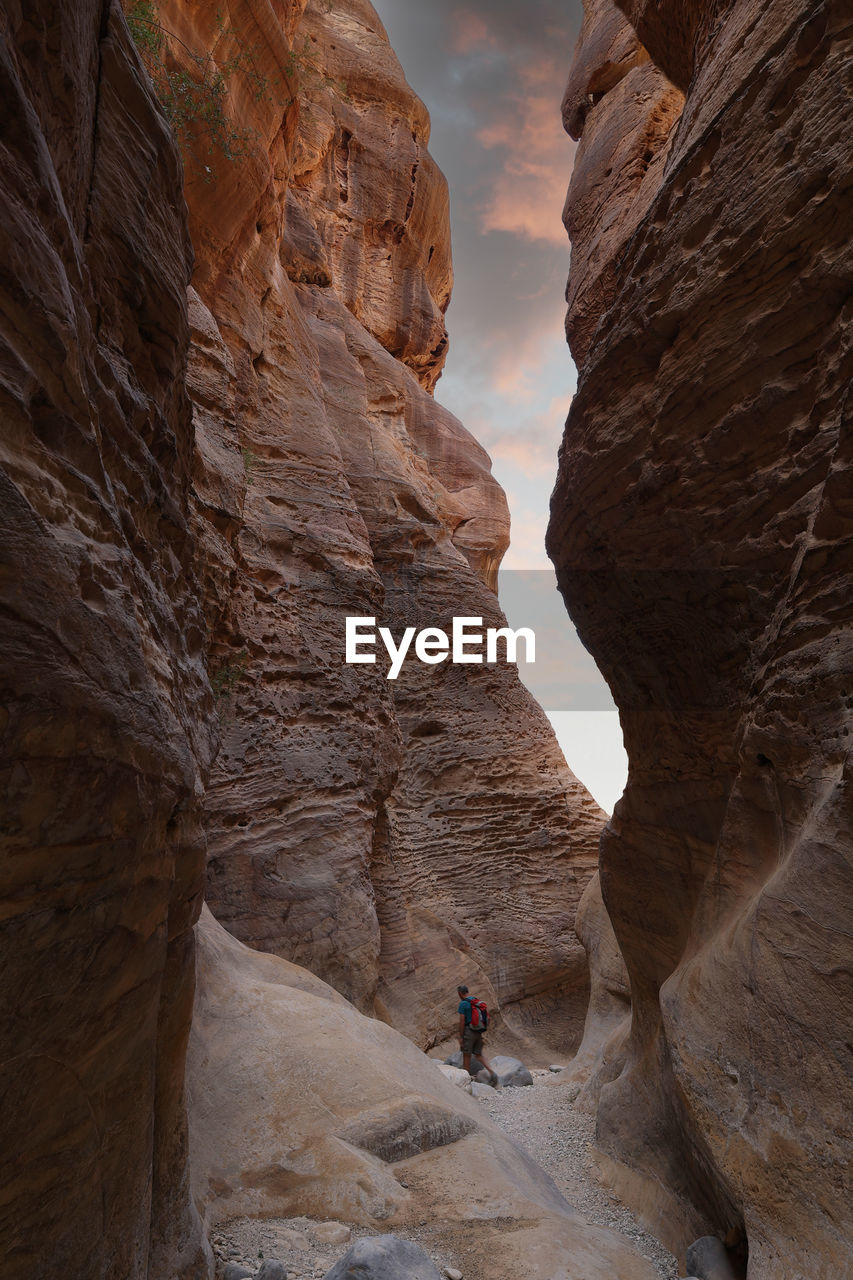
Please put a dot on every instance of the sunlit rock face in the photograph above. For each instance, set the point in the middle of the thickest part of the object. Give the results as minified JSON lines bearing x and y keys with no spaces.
{"x":104,"y":696}
{"x":702,"y":531}
{"x":394,"y":837}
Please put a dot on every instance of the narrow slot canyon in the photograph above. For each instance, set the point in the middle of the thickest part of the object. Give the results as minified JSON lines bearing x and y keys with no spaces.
{"x":273,"y":826}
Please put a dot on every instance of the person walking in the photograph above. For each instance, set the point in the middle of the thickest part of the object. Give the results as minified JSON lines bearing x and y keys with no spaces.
{"x":471,"y":1032}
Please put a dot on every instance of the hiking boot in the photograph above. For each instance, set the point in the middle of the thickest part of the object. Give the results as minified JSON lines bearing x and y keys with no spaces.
{"x":495,"y":1082}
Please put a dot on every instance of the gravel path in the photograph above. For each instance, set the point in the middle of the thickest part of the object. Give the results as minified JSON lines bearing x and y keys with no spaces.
{"x":543,"y":1120}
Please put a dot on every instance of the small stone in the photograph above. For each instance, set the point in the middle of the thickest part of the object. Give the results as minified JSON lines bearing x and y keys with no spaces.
{"x":452,"y":1273}
{"x":555,"y":1067}
{"x":482,"y":1090}
{"x":332,"y":1233}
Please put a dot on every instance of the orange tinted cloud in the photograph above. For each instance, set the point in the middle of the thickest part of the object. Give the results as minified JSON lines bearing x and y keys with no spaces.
{"x":528,"y":191}
{"x":470,"y":33}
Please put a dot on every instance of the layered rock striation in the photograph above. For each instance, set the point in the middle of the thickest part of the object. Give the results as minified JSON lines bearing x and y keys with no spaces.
{"x":104,"y":699}
{"x":394,"y":837}
{"x":701,"y":528}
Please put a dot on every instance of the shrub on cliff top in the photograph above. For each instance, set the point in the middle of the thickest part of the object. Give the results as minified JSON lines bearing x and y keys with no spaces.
{"x":192,"y":85}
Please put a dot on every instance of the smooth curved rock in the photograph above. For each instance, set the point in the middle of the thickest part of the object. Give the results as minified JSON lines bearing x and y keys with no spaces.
{"x":702,"y":532}
{"x":601,"y":1056}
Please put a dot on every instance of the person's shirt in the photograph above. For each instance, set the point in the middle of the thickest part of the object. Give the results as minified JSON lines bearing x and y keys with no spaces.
{"x":465,"y":1008}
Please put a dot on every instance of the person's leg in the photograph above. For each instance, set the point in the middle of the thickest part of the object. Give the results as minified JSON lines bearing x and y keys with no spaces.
{"x":486,"y":1064}
{"x":467,"y":1048}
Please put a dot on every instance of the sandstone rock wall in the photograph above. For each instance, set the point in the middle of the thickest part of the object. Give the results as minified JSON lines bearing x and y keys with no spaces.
{"x":103,"y":694}
{"x":702,"y":531}
{"x":395,"y":838}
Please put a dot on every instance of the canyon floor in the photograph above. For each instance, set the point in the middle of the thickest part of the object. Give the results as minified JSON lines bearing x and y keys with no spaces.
{"x":540,"y":1118}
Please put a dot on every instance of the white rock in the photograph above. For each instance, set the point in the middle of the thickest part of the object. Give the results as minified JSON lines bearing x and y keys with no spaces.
{"x":452,"y":1273}
{"x":287,"y":1238}
{"x":556,"y":1067}
{"x":332,"y":1233}
{"x":456,"y":1075}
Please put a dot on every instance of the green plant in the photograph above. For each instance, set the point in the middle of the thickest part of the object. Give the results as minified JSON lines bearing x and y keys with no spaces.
{"x":250,"y":461}
{"x":193,"y":87}
{"x":226,"y":678}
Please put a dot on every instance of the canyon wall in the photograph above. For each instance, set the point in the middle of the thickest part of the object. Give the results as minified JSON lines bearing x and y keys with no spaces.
{"x":701,"y":528}
{"x":104,"y":699}
{"x":396,"y":838}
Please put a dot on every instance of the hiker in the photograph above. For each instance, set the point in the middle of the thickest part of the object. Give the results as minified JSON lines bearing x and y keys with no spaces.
{"x":472,"y":1011}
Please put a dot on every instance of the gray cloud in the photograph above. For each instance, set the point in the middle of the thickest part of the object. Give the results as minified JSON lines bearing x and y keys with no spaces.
{"x":492,"y":73}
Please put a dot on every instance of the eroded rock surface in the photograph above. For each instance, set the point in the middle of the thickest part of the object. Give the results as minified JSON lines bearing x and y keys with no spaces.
{"x":395,"y":837}
{"x":103,"y":695}
{"x":702,"y":531}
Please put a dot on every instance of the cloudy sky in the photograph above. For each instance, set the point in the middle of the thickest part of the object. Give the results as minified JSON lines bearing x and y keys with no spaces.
{"x":492,"y":73}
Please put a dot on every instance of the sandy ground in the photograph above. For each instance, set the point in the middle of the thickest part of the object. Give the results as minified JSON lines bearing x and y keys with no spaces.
{"x":540,"y":1118}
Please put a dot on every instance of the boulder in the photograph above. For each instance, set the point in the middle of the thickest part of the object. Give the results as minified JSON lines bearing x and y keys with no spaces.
{"x":511,"y":1072}
{"x":272,"y":1270}
{"x":236,"y":1271}
{"x":384,"y":1258}
{"x":708,"y":1259}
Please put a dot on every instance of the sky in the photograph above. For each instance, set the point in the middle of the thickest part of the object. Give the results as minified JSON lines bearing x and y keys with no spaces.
{"x":492,"y":74}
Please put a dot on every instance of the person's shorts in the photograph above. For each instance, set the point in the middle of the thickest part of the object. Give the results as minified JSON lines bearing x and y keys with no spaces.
{"x":472,"y":1041}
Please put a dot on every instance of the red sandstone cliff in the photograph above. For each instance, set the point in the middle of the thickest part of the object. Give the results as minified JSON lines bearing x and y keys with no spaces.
{"x":703,"y":536}
{"x":395,"y":838}
{"x":104,"y":700}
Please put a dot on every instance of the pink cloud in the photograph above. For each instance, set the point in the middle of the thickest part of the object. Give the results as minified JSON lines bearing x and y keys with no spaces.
{"x":470,"y":33}
{"x":527,"y":543}
{"x":528,"y":192}
{"x":530,"y":447}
